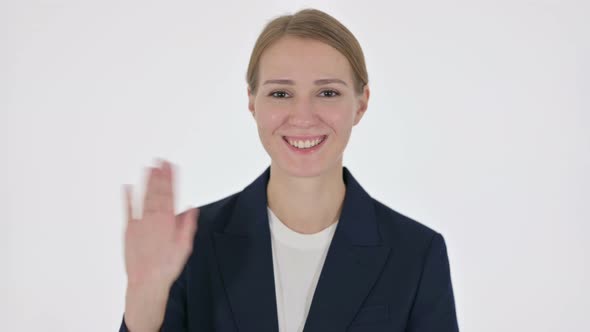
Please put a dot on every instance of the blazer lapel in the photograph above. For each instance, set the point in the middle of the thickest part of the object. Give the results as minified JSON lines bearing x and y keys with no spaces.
{"x":354,"y":261}
{"x":244,"y":255}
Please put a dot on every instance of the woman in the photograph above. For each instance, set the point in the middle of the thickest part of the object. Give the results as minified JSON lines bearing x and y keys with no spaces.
{"x":303,"y":247}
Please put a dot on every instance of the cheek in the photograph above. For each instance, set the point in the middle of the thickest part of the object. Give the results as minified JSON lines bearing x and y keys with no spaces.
{"x":340,"y":118}
{"x":269,"y":119}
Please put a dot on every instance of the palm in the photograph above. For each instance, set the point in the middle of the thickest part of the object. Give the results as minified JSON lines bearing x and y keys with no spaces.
{"x":158,"y":244}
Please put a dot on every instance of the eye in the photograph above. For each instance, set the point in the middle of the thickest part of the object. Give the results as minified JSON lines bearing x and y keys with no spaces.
{"x":278,"y":94}
{"x":330,"y":93}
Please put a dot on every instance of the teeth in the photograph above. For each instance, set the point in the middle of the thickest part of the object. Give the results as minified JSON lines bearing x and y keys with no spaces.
{"x":305,"y":144}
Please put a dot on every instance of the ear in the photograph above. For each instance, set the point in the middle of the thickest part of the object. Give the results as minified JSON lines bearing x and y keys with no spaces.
{"x":363,"y":104}
{"x":251,"y":98}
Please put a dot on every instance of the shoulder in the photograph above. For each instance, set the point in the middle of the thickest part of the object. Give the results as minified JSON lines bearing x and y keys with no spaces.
{"x":213,"y":216}
{"x":401,"y":230}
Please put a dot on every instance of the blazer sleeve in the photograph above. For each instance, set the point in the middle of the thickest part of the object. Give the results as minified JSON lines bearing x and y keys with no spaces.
{"x":434,"y":305}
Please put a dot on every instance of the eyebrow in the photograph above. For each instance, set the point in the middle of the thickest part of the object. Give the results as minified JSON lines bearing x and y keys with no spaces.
{"x":316,"y":82}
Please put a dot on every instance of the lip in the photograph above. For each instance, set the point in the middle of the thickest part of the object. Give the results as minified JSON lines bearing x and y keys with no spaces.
{"x":304,"y":138}
{"x":308,"y":150}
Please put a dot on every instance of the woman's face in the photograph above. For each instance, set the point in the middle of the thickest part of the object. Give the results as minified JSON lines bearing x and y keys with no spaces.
{"x":305,"y":96}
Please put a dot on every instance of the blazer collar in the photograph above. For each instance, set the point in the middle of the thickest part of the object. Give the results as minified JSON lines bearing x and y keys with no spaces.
{"x":353,"y":263}
{"x":357,"y":221}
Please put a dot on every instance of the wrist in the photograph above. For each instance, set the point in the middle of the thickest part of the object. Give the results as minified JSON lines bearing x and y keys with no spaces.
{"x":145,"y":306}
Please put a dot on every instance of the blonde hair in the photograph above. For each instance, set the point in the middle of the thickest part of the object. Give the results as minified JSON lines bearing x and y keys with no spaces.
{"x":314,"y":24}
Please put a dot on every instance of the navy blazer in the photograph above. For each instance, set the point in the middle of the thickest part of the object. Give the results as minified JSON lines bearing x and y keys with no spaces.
{"x":383,"y":271}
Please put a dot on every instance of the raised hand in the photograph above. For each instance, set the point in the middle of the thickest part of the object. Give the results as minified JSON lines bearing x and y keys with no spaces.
{"x":157,"y":246}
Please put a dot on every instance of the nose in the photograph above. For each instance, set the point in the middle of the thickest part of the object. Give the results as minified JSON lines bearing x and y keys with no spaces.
{"x":303,"y":113}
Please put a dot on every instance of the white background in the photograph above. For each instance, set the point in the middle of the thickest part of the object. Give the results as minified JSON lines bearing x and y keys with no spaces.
{"x":478,"y":126}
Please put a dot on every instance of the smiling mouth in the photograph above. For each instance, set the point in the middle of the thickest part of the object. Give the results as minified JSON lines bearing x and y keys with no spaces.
{"x":305,"y":144}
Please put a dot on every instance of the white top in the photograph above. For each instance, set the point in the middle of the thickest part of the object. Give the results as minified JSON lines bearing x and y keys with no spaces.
{"x":297,"y":261}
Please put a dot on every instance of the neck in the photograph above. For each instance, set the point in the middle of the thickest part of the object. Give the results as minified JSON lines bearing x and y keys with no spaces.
{"x":306,"y":205}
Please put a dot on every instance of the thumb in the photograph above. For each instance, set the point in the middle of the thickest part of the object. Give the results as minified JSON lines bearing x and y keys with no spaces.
{"x":188,"y":227}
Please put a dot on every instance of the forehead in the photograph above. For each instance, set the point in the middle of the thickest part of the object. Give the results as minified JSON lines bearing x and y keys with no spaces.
{"x":303,"y":58}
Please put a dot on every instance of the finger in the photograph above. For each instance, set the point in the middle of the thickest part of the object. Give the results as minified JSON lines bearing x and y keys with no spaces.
{"x":166,"y":189}
{"x":128,"y":201}
{"x":150,"y":202}
{"x":166,"y":167}
{"x":161,"y":188}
